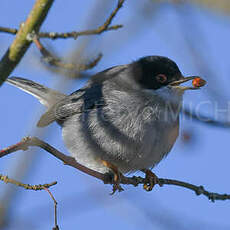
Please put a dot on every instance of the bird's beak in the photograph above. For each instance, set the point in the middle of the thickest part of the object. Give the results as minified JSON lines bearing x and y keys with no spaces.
{"x":176,"y":84}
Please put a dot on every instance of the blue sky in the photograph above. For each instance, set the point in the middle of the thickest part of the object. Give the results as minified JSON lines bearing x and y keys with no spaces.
{"x":83,"y":201}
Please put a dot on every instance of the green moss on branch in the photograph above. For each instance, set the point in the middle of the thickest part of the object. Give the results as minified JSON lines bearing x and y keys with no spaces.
{"x":21,"y":42}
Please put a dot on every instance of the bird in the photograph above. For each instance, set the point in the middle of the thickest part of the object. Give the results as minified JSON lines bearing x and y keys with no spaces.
{"x":125,"y":119}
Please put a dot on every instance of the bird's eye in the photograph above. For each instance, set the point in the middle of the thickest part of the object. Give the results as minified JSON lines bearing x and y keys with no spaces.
{"x":161,"y":78}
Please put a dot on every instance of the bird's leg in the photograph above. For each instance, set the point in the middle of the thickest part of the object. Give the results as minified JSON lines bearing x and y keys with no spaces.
{"x":116,"y":176}
{"x":151,"y":179}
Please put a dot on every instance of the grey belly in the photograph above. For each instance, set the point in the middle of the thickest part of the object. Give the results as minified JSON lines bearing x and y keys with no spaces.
{"x":132,"y":146}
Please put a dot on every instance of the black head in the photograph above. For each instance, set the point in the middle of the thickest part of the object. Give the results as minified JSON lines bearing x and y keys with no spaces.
{"x":156,"y":72}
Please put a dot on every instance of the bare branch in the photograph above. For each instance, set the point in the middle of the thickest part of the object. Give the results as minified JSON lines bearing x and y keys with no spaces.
{"x":33,"y":141}
{"x":75,"y":34}
{"x":57,"y":62}
{"x":20,"y":44}
{"x":6,"y":179}
{"x":28,"y":141}
{"x":55,"y":209}
{"x":8,"y":30}
{"x":56,"y":35}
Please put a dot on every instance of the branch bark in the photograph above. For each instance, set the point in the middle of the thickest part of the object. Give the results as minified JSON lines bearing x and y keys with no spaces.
{"x":75,"y":34}
{"x":6,"y":179}
{"x":50,"y":58}
{"x":71,"y":34}
{"x":21,"y":42}
{"x":135,"y":181}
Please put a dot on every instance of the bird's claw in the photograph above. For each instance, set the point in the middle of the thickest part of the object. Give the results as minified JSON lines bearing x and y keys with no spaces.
{"x":151,"y":179}
{"x":116,"y":177}
{"x":116,"y":187}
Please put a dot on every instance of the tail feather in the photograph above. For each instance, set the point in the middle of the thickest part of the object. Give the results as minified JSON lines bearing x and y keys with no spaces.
{"x":45,"y":95}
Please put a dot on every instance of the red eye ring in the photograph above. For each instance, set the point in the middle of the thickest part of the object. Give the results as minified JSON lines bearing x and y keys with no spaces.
{"x":161,"y":78}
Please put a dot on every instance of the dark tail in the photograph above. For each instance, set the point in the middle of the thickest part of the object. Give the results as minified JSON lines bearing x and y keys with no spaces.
{"x":46,"y":96}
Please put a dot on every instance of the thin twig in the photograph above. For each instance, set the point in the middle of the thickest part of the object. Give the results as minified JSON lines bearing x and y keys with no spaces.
{"x":55,"y":209}
{"x":6,"y":179}
{"x":33,"y":141}
{"x":50,"y":58}
{"x":56,"y":35}
{"x":75,"y":34}
{"x":20,"y":44}
{"x":8,"y":30}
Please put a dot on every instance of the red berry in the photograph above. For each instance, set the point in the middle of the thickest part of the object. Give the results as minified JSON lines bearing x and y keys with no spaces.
{"x":198,"y":82}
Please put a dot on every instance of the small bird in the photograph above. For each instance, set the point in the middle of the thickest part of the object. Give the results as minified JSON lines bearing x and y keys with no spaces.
{"x":124,"y":118}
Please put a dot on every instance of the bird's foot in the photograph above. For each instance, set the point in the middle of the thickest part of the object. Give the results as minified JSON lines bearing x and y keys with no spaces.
{"x":151,"y":180}
{"x":116,"y":177}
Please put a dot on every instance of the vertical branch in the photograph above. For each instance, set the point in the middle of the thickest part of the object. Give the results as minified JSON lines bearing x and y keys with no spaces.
{"x":21,"y":42}
{"x":55,"y":208}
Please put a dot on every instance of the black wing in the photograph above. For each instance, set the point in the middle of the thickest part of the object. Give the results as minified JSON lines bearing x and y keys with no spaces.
{"x":78,"y":102}
{"x":87,"y":98}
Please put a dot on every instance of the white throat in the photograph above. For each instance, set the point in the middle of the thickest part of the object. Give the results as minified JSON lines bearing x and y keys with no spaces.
{"x":169,"y":94}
